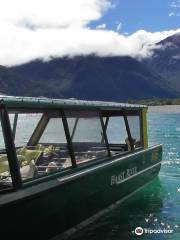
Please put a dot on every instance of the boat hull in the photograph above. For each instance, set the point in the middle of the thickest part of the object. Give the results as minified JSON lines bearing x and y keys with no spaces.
{"x":77,"y":196}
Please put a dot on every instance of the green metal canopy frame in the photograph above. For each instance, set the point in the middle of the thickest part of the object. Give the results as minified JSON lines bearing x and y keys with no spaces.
{"x":32,"y":102}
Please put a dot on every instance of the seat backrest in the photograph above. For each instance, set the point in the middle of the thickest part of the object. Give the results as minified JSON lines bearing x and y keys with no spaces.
{"x":28,"y":171}
{"x":28,"y":155}
{"x":4,"y":165}
{"x":128,"y":143}
{"x":52,"y":166}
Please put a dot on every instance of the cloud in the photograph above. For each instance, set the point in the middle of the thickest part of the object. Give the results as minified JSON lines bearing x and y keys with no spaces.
{"x":175,"y":5}
{"x":119,"y":26}
{"x":171,"y":14}
{"x":45,"y":29}
{"x":102,"y":26}
{"x":51,"y":14}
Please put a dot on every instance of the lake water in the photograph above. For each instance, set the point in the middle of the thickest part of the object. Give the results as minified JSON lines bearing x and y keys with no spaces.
{"x":156,"y":206}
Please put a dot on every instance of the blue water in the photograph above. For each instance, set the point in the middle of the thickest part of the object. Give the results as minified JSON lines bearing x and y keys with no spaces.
{"x":156,"y":206}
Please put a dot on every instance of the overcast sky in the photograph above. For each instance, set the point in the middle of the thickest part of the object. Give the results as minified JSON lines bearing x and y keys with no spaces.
{"x":43,"y":29}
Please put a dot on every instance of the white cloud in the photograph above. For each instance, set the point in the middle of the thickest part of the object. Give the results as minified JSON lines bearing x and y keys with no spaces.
{"x":171,"y":14}
{"x":119,"y":26}
{"x":52,"y":13}
{"x":101,"y":26}
{"x":43,"y":28}
{"x":175,"y":5}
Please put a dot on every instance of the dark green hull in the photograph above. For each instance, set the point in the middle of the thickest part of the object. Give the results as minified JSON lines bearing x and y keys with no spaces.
{"x":51,"y":207}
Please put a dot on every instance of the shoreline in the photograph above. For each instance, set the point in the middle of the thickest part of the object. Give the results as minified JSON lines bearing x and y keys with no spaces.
{"x":164,"y":109}
{"x":156,"y":102}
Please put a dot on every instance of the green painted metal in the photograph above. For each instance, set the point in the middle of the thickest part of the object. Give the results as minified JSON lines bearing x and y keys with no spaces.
{"x":74,"y":128}
{"x":128,"y":132}
{"x":15,"y":125}
{"x":145,"y":132}
{"x":38,"y":131}
{"x":105,"y":135}
{"x":40,"y":103}
{"x":68,"y":138}
{"x":10,"y":148}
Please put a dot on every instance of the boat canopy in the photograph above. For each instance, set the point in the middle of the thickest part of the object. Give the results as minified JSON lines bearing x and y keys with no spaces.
{"x":40,"y":103}
{"x":43,"y":136}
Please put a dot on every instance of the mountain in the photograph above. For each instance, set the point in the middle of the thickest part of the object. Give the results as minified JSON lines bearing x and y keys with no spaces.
{"x":166,"y":61}
{"x":87,"y":77}
{"x":11,"y":83}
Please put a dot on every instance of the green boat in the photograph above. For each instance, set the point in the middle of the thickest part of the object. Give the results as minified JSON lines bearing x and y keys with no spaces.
{"x":65,"y":161}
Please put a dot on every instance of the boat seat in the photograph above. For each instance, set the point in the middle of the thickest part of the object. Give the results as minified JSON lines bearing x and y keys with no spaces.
{"x":128,"y":143}
{"x":47,"y":150}
{"x":52,"y":166}
{"x":4,"y":165}
{"x":26,"y":158}
{"x":67,"y":163}
{"x":82,"y":157}
{"x":29,"y":171}
{"x":27,"y":155}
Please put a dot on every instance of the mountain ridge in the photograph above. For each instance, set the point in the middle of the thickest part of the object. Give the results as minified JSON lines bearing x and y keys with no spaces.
{"x":166,"y":61}
{"x":94,"y":78}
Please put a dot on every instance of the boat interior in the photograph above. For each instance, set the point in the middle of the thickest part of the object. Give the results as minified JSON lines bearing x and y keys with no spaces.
{"x":48,"y":158}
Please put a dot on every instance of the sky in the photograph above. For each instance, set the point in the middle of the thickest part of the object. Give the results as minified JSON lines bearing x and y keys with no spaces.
{"x":43,"y":29}
{"x":132,"y":15}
